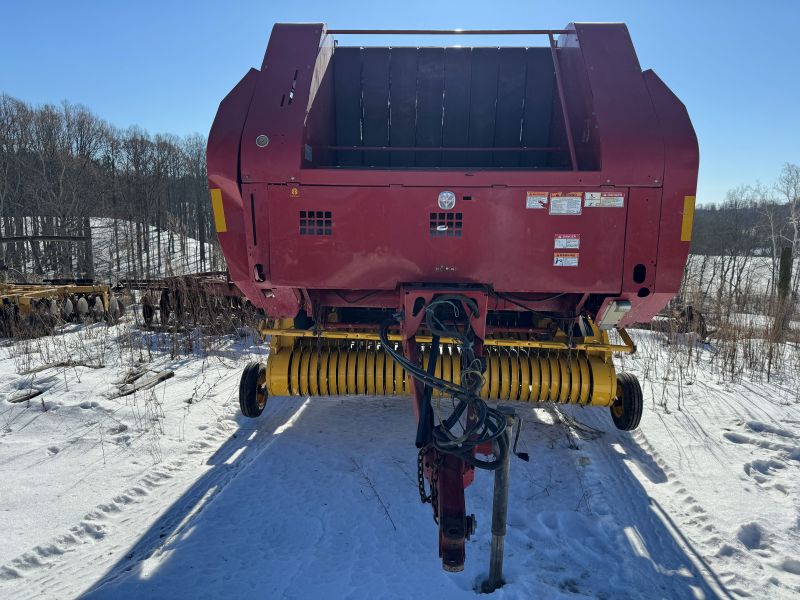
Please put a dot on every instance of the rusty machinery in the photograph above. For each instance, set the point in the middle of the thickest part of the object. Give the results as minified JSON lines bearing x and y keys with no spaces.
{"x":466,"y":223}
{"x":34,"y":308}
{"x":191,"y":299}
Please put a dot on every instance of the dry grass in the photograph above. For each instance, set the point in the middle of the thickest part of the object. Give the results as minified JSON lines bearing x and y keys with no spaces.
{"x":751,"y":335}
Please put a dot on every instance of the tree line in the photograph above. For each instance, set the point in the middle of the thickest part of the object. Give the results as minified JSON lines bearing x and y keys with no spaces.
{"x":743,"y":269}
{"x":81,"y":198}
{"x":757,"y":220}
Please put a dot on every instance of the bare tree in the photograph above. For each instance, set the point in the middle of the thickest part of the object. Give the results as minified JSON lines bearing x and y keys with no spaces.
{"x":72,"y":185}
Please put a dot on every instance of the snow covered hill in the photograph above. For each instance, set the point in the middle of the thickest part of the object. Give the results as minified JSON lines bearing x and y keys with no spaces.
{"x":114,"y":246}
{"x":169,"y":492}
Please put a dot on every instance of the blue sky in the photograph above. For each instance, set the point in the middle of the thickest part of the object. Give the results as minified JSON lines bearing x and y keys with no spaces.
{"x":165,"y":65}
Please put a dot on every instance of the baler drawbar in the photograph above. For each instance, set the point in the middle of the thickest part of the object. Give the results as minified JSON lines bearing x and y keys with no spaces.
{"x":462,"y":225}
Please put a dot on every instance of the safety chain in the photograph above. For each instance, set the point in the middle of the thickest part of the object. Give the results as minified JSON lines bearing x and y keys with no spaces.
{"x":433,"y":498}
{"x":435,"y":486}
{"x":423,"y":496}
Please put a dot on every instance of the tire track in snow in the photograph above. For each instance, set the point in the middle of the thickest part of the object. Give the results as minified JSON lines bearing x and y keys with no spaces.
{"x":98,"y":541}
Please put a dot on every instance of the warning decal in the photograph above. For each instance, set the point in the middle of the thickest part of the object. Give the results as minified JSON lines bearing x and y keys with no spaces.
{"x":571,"y":241}
{"x":604,"y":200}
{"x":565,"y":259}
{"x":536,"y":200}
{"x":592,"y":199}
{"x":612,"y":200}
{"x":566,"y":203}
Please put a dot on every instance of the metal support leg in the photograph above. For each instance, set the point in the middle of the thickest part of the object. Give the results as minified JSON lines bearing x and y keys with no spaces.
{"x":500,"y":511}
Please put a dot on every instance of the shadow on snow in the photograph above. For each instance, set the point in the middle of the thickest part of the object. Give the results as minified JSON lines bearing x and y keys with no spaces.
{"x":319,"y":499}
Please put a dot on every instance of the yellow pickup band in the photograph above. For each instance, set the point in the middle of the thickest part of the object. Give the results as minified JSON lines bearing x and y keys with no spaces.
{"x":219,"y":211}
{"x":688,"y":218}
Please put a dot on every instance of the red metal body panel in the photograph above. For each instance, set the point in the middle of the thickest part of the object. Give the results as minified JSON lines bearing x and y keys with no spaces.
{"x":501,"y":244}
{"x":629,"y":132}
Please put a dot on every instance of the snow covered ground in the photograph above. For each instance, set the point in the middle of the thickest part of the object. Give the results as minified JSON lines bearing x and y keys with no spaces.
{"x":170,"y":493}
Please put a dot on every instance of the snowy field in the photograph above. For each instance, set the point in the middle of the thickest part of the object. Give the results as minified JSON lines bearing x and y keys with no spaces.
{"x":170,"y":493}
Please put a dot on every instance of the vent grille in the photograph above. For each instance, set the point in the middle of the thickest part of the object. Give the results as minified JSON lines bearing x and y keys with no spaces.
{"x":316,"y":222}
{"x":446,"y":224}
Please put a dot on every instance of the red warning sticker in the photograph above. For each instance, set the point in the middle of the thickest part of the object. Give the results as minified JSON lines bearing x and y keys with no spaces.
{"x":570,"y":241}
{"x":565,"y":259}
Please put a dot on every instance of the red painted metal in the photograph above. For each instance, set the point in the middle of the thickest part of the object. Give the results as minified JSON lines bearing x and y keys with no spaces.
{"x":452,"y":512}
{"x":445,"y":149}
{"x":561,"y":98}
{"x":381,"y":239}
{"x":454,"y":475}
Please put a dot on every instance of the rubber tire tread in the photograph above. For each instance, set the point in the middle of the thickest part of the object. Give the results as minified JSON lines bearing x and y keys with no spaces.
{"x":632,"y":402}
{"x":248,"y":401}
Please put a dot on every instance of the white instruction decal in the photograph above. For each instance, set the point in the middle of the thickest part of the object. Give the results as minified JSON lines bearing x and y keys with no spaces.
{"x":566,"y":203}
{"x":612,"y":200}
{"x":604,"y":200}
{"x":536,"y":200}
{"x":571,"y":241}
{"x":592,"y":199}
{"x":565,"y":259}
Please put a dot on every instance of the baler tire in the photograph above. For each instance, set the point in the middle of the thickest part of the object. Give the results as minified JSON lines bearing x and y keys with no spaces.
{"x":626,"y":412}
{"x":253,"y":390}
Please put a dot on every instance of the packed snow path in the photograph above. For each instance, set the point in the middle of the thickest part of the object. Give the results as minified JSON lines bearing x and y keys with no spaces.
{"x":317,"y":499}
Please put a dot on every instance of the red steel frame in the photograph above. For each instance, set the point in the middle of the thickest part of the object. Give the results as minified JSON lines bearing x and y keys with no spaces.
{"x":625,"y":132}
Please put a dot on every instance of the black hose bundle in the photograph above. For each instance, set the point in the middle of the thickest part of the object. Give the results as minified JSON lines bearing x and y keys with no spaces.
{"x":482,"y":423}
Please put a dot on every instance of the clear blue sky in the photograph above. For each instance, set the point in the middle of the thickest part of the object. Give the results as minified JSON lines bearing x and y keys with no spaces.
{"x":165,"y":64}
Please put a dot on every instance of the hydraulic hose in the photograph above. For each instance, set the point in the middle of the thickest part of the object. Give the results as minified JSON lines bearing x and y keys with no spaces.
{"x":483,"y":423}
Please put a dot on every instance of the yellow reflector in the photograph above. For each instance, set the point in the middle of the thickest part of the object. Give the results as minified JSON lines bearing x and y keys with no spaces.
{"x":219,"y":211}
{"x":688,"y":218}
